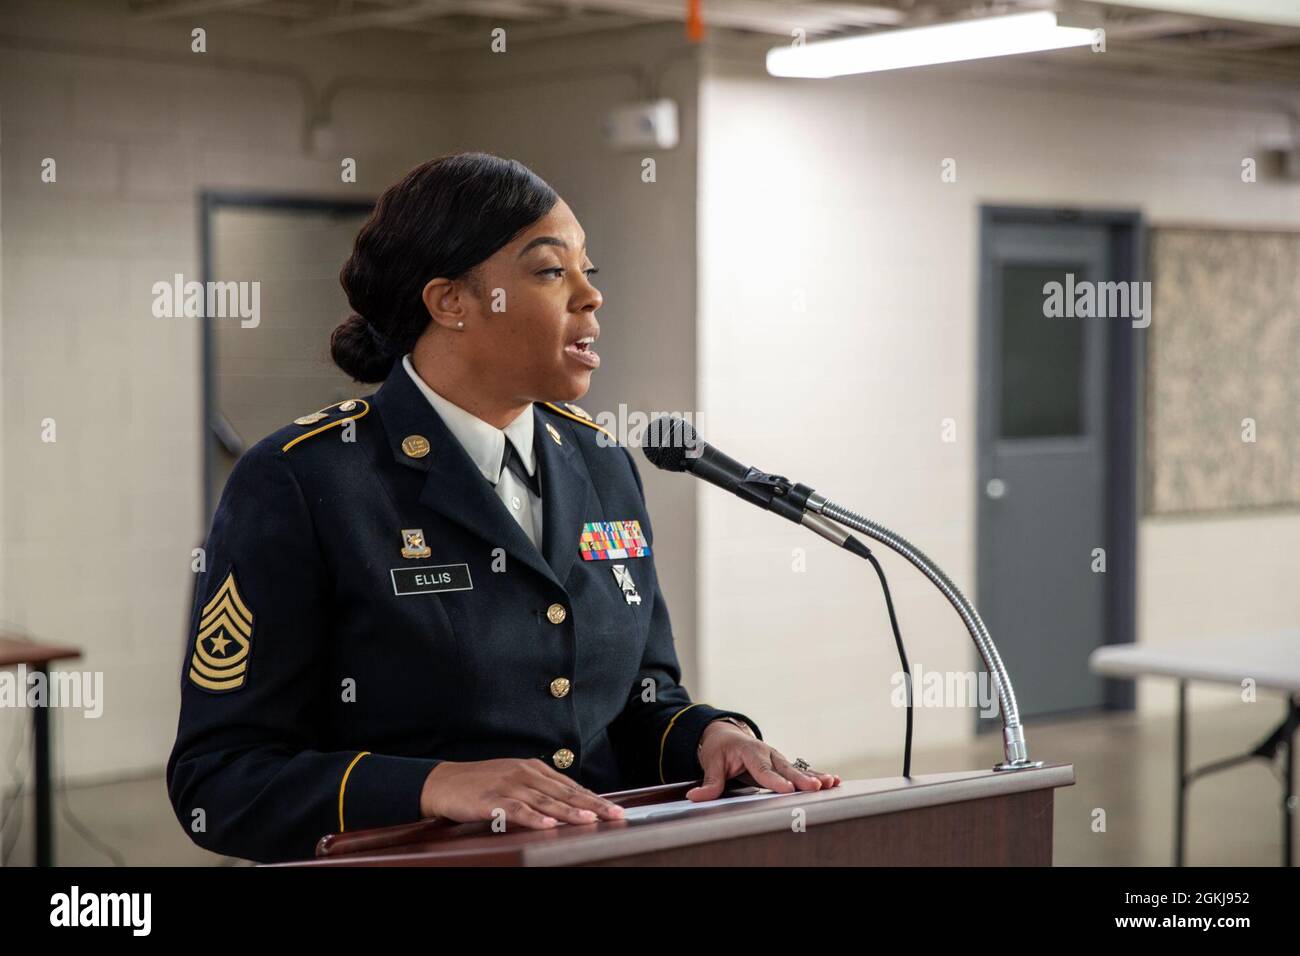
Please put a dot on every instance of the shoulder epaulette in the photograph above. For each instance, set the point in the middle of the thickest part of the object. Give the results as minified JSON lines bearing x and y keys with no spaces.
{"x":329,"y":417}
{"x":574,"y":413}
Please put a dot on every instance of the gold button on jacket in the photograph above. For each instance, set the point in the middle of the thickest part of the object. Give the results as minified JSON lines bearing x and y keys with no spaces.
{"x":563,"y":758}
{"x":560,"y":687}
{"x":556,"y":613}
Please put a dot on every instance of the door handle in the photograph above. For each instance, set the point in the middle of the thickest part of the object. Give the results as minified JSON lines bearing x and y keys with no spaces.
{"x":229,"y":439}
{"x":996,"y":488}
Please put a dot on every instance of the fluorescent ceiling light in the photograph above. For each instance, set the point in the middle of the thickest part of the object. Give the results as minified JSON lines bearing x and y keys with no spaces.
{"x":943,"y":43}
{"x":1283,"y":13}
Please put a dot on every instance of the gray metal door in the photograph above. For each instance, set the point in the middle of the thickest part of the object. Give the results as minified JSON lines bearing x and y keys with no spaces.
{"x":1042,"y":462}
{"x":264,"y":376}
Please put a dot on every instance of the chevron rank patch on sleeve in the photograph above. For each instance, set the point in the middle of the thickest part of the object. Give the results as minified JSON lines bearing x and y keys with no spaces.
{"x":220,"y":659}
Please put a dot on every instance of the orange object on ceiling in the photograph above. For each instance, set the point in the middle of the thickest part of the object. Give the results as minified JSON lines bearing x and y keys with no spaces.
{"x":694,"y":21}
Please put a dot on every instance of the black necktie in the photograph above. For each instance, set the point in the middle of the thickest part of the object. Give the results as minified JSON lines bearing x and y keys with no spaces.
{"x":516,"y":465}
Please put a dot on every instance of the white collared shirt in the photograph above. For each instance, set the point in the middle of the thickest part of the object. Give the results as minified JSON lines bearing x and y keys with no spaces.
{"x":486,"y":446}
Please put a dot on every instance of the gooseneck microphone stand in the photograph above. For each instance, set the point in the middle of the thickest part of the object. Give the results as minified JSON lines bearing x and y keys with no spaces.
{"x":825,"y":517}
{"x":674,"y":446}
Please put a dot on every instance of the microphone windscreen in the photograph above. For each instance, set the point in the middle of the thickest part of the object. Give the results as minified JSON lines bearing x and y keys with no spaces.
{"x":667,"y":441}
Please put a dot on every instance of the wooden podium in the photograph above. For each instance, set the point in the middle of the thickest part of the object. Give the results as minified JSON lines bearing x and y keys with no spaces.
{"x":968,"y":818}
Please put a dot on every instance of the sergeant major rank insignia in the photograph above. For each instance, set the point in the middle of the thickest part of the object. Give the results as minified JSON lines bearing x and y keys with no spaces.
{"x":220,"y":658}
{"x":413,"y":545}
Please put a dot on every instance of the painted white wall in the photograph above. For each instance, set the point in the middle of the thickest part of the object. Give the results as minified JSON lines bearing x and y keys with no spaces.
{"x":837,"y":329}
{"x":100,"y":525}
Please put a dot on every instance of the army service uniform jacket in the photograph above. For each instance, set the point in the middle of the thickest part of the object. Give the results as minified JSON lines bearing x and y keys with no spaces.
{"x":369,"y":608}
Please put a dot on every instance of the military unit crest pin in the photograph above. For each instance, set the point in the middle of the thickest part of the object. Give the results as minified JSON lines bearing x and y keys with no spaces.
{"x":413,"y":544}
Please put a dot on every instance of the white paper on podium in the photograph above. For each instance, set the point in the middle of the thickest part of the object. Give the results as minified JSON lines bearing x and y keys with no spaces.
{"x":675,"y":808}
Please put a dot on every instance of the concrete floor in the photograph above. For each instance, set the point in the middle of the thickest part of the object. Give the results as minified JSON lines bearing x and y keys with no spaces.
{"x":1125,"y":766}
{"x":1122,"y":765}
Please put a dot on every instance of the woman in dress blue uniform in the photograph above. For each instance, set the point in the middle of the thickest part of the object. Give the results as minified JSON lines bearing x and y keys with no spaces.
{"x":441,"y":599}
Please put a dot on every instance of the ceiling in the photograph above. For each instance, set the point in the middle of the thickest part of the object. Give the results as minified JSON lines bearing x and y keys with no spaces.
{"x":1169,"y":37}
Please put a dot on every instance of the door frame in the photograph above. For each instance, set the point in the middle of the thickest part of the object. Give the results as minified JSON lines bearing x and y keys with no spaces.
{"x":211,"y":200}
{"x":1125,"y":388}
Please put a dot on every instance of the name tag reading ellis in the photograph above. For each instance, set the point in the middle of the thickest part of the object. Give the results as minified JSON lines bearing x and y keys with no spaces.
{"x":431,"y":579}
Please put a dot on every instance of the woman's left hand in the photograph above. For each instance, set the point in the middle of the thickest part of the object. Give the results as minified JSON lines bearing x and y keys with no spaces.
{"x":726,"y":751}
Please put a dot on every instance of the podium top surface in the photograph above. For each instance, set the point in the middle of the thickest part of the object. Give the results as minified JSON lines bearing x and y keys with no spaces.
{"x":723,"y":819}
{"x":1271,"y":660}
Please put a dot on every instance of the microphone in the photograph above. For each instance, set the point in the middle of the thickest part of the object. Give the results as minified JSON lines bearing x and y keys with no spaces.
{"x":673,"y":445}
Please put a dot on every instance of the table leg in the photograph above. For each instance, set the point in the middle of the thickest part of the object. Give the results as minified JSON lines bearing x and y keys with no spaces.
{"x":1288,"y":786}
{"x":44,"y":803}
{"x":1180,"y":773}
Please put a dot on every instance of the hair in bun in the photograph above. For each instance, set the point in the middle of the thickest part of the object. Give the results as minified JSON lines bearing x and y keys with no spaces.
{"x":441,"y":220}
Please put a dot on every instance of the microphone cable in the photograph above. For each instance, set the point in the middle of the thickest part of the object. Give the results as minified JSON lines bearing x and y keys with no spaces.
{"x":861,"y":550}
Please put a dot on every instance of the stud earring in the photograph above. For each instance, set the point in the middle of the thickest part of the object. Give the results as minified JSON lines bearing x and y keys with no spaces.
{"x":460,"y":325}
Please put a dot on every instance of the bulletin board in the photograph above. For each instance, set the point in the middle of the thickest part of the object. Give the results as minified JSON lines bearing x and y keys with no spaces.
{"x":1223,"y":371}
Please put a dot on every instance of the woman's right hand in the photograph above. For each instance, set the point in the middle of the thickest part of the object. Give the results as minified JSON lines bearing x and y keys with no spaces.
{"x":530,"y":793}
